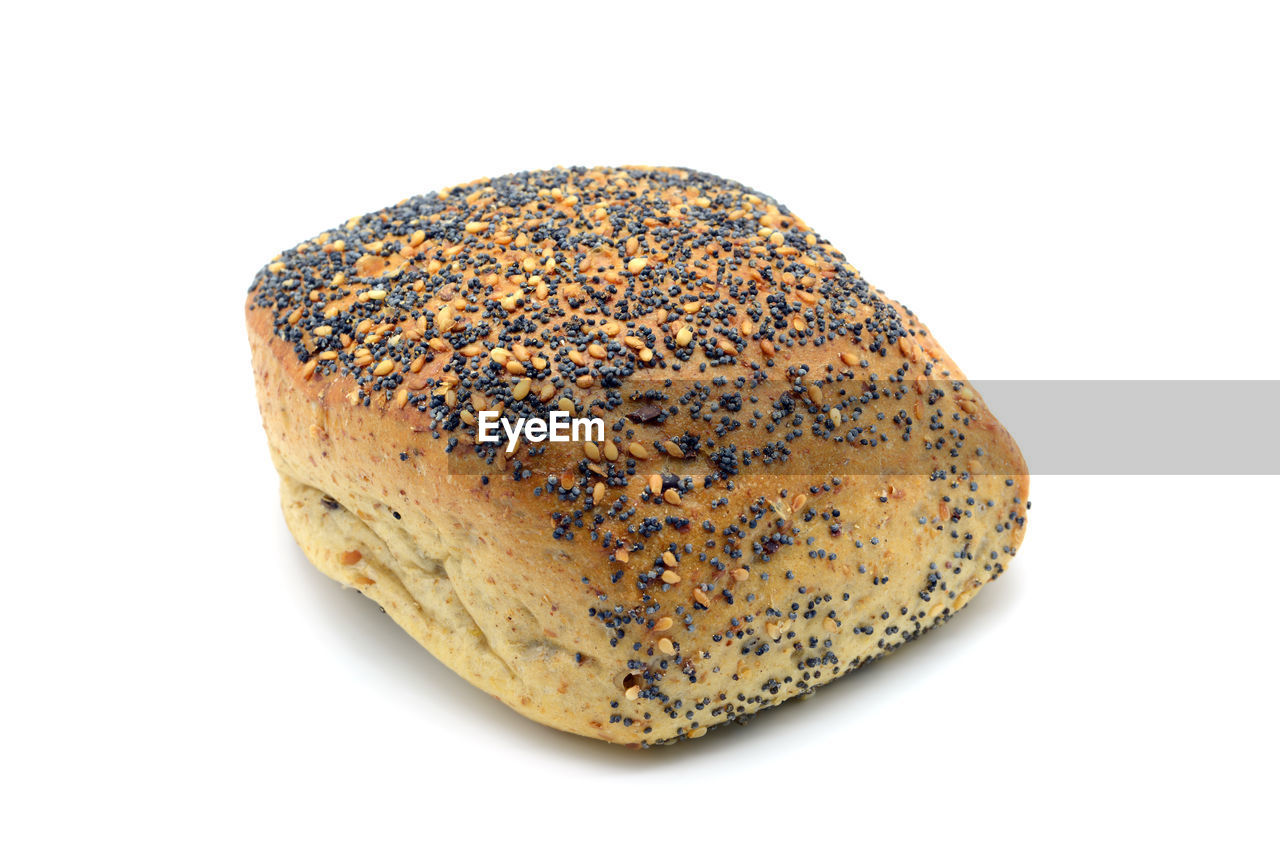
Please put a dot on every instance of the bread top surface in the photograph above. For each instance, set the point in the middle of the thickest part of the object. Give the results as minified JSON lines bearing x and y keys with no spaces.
{"x":554,"y":261}
{"x":746,"y":374}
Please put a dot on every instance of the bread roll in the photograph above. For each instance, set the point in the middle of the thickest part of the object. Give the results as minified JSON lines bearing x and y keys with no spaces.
{"x":794,"y":477}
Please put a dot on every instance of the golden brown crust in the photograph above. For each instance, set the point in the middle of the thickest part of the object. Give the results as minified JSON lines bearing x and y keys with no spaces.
{"x":827,"y":488}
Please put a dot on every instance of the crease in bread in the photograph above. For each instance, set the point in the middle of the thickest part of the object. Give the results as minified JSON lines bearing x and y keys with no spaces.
{"x":418,"y":595}
{"x":796,"y":478}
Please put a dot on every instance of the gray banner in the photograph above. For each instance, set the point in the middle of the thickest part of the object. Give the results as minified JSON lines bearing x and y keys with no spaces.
{"x":1141,"y":426}
{"x":907,"y":425}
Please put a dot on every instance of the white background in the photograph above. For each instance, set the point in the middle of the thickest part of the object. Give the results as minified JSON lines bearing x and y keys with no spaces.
{"x":1083,"y":192}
